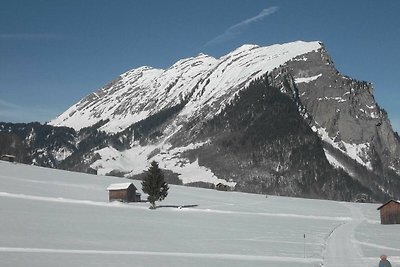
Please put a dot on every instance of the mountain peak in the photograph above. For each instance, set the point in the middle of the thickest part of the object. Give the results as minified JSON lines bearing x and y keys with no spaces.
{"x":201,"y":80}
{"x":246,"y":47}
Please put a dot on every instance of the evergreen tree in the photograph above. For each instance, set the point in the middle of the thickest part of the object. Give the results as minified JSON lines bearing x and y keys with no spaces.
{"x":154,"y":185}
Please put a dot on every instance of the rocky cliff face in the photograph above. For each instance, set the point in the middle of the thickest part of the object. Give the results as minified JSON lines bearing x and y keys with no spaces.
{"x":275,"y":120}
{"x":344,"y":109}
{"x":354,"y":129}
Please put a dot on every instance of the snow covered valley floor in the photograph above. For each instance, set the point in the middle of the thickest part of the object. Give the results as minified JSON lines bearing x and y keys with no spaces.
{"x":57,"y":218}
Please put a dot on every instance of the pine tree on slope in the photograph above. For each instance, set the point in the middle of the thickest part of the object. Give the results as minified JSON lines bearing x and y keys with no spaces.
{"x":154,"y":185}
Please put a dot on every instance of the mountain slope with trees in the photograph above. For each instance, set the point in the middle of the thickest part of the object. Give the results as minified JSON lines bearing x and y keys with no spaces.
{"x":272,"y":120}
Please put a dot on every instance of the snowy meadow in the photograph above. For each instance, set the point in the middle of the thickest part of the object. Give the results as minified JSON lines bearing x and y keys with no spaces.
{"x":58,"y":218}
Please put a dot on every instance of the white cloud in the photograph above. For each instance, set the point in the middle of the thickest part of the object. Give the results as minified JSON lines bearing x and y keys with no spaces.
{"x":236,"y":29}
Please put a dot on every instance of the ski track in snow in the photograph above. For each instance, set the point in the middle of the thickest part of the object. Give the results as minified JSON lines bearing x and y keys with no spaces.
{"x":241,"y":257}
{"x":342,"y":249}
{"x":125,"y":205}
{"x":377,"y":246}
{"x":69,"y":201}
{"x":286,"y":215}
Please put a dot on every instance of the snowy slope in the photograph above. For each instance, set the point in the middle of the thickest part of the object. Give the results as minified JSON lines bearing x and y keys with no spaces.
{"x":205,"y":82}
{"x":136,"y":159}
{"x":58,"y":218}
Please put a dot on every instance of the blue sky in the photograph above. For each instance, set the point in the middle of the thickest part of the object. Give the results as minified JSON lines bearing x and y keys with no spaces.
{"x":54,"y":52}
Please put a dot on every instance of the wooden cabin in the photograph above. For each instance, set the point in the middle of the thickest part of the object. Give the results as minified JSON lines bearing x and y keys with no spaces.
{"x":9,"y":158}
{"x":124,"y":192}
{"x":390,"y":212}
{"x":222,"y":187}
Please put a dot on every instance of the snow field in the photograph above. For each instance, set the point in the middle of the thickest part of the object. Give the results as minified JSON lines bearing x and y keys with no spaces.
{"x":57,"y":218}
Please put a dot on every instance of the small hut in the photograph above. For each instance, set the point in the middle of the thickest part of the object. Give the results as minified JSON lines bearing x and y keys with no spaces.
{"x":390,"y":212}
{"x":222,"y":187}
{"x":9,"y":158}
{"x":124,"y":192}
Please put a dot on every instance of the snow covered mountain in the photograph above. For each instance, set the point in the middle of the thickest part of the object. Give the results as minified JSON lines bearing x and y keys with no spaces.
{"x":204,"y":83}
{"x":278,"y":120}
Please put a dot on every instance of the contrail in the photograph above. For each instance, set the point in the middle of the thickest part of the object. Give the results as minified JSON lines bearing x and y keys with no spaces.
{"x":236,"y":29}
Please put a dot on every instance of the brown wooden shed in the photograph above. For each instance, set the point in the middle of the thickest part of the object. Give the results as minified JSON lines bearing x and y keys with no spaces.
{"x":125,"y":192}
{"x":390,"y":212}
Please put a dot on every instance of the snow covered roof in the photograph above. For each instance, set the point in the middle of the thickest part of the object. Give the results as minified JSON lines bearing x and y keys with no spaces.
{"x":395,"y":201}
{"x":120,"y":186}
{"x":8,"y":156}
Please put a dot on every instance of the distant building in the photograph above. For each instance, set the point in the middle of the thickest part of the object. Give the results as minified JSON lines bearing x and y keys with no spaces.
{"x":222,"y":187}
{"x":9,"y":158}
{"x":390,"y":212}
{"x":124,"y":192}
{"x":91,"y":171}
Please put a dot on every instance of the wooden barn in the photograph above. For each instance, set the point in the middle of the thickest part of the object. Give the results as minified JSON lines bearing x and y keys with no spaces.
{"x":124,"y":192}
{"x":9,"y":158}
{"x":222,"y":187}
{"x":390,"y":212}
